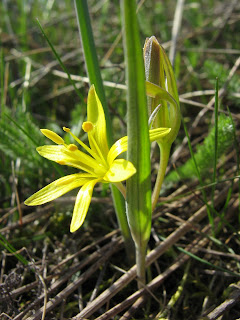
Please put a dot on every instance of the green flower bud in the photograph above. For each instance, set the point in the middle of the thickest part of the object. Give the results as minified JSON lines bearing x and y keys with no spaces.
{"x":161,"y":89}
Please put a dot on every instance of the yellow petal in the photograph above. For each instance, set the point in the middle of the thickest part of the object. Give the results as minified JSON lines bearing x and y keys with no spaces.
{"x":121,"y":145}
{"x":96,"y":116}
{"x":117,"y":148}
{"x":82,"y":204}
{"x":52,"y":136}
{"x":120,"y":170}
{"x":57,"y":188}
{"x":74,"y":158}
{"x":156,"y":134}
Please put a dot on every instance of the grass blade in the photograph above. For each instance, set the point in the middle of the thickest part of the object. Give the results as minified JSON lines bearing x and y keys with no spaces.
{"x":4,"y":243}
{"x":91,"y":60}
{"x":59,"y":60}
{"x":210,"y":217}
{"x":215,"y":141}
{"x":236,"y":145}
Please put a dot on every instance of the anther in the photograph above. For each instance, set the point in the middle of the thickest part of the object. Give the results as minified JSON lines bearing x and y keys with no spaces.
{"x":87,"y":126}
{"x":61,"y":162}
{"x":72,"y":147}
{"x":66,"y":129}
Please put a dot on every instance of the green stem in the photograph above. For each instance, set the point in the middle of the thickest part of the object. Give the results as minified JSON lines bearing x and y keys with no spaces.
{"x":121,"y":188}
{"x":138,"y":200}
{"x":123,"y":224}
{"x":141,"y":265}
{"x":164,"y":156}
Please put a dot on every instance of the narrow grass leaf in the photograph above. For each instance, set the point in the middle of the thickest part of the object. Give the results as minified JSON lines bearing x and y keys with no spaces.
{"x":192,"y":255}
{"x":22,"y":129}
{"x":236,"y":145}
{"x":215,"y":140}
{"x":2,"y":78}
{"x":210,"y":217}
{"x":91,"y":59}
{"x":5,"y":244}
{"x":59,"y":60}
{"x":57,"y":167}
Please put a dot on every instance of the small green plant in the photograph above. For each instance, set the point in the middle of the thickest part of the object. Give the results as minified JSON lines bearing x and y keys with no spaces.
{"x":204,"y":155}
{"x":13,"y":126}
{"x":101,"y":163}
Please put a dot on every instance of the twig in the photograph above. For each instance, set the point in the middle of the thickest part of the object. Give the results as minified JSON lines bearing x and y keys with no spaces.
{"x":27,"y":219}
{"x":229,"y":7}
{"x":15,"y":182}
{"x":104,"y":256}
{"x":225,"y":306}
{"x":175,"y":29}
{"x":205,"y":107}
{"x":211,"y":50}
{"x":99,"y":280}
{"x":139,"y":297}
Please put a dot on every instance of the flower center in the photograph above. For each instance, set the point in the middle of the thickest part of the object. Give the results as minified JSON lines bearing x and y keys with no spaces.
{"x":87,"y":126}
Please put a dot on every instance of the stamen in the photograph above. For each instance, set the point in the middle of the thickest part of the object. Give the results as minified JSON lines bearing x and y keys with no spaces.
{"x":52,"y":136}
{"x":66,"y":129}
{"x":90,"y":137}
{"x":87,"y":126}
{"x":61,"y":162}
{"x":92,"y":153}
{"x":72,"y":147}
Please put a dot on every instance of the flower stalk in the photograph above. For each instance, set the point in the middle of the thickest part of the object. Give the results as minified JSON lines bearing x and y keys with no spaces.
{"x":138,"y":202}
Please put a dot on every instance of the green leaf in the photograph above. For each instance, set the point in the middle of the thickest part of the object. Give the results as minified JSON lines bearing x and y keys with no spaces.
{"x":91,"y":59}
{"x":7,"y":245}
{"x":139,"y":207}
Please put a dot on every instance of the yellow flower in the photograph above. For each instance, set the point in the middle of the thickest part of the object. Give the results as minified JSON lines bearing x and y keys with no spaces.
{"x":99,"y":165}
